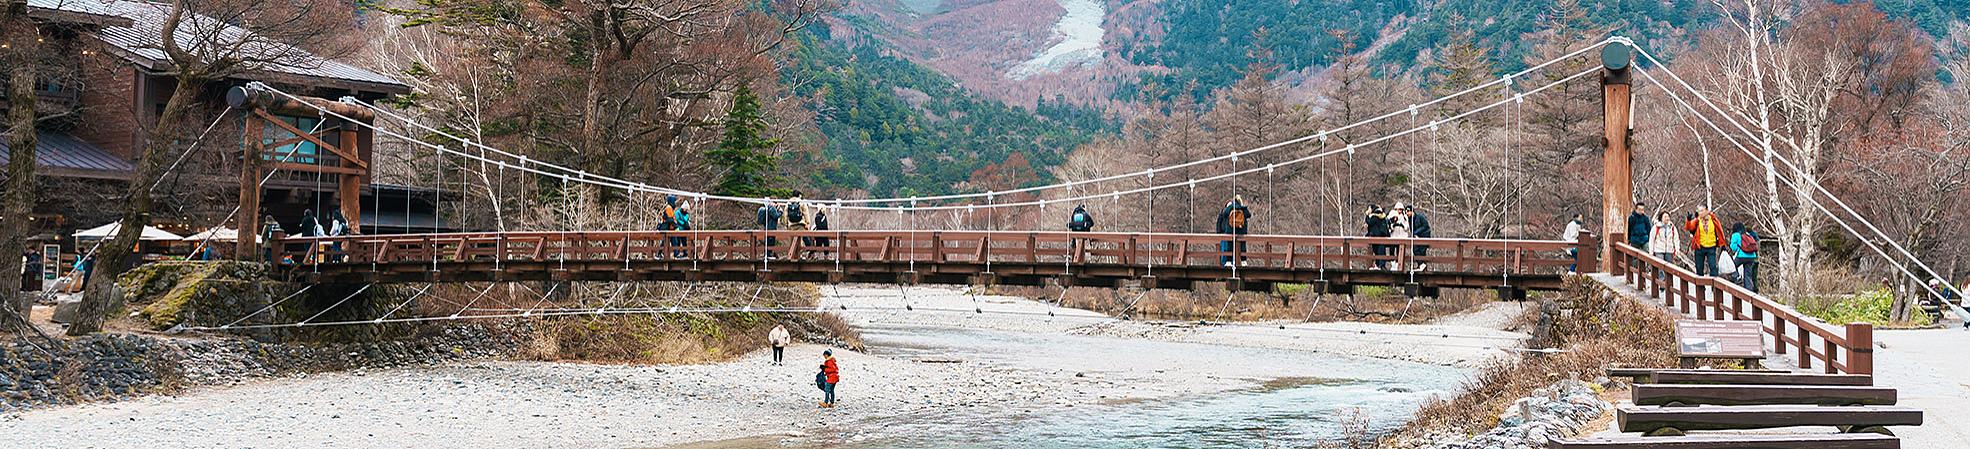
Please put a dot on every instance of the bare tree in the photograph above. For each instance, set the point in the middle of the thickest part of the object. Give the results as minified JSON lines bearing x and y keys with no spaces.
{"x":203,"y":41}
{"x":19,"y":51}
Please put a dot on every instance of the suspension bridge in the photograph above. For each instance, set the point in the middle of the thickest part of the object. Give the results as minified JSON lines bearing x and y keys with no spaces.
{"x":1149,"y":258}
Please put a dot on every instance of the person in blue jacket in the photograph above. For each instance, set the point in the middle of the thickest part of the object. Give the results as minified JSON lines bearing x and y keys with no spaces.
{"x":1744,"y":251}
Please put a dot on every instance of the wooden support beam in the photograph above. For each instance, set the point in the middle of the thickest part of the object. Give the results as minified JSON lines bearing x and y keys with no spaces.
{"x":1651,"y":419}
{"x":1617,"y":175}
{"x":247,"y":247}
{"x":1821,"y":441}
{"x":1760,"y":378}
{"x":1693,"y":395}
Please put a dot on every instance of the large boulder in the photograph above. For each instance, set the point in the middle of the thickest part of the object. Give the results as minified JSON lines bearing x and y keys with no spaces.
{"x":167,"y":294}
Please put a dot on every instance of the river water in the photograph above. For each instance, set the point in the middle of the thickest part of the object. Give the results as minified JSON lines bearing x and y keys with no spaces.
{"x":1288,"y":398}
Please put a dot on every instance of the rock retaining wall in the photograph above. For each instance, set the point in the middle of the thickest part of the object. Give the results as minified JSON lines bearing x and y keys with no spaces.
{"x":113,"y":366}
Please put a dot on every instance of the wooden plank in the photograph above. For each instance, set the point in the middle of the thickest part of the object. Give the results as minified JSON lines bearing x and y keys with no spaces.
{"x":1823,"y":441}
{"x":1645,"y":374}
{"x":1661,"y":394}
{"x":1760,"y":378}
{"x":1651,"y":419}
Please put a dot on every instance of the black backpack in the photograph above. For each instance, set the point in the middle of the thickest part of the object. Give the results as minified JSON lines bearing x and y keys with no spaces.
{"x":1079,"y":222}
{"x":794,"y":214}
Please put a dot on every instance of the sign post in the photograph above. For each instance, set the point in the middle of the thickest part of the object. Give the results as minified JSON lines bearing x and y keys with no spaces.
{"x":1699,"y":339}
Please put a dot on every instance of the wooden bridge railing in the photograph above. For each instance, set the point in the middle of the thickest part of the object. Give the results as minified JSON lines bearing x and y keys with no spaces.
{"x":1502,"y":257}
{"x":1848,"y":349}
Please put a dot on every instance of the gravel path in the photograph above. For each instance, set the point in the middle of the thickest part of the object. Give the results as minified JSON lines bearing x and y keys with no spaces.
{"x":1928,"y":369}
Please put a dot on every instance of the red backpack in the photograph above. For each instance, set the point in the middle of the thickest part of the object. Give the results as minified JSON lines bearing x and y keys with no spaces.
{"x":1748,"y":243}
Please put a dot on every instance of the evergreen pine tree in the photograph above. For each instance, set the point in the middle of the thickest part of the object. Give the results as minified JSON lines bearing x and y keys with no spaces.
{"x":751,"y":169}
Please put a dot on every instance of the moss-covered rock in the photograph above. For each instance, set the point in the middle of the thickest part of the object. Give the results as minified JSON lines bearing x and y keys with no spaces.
{"x":167,"y":294}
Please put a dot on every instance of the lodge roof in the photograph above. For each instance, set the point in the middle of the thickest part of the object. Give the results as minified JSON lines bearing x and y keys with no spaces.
{"x":138,"y":39}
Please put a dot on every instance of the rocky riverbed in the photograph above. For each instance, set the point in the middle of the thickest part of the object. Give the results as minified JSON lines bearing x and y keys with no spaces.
{"x":1069,"y":378}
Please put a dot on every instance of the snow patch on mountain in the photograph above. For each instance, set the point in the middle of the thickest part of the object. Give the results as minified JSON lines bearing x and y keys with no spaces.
{"x":1077,"y":40}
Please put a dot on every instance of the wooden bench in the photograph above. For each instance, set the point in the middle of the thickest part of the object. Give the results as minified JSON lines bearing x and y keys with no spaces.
{"x":1760,"y":378}
{"x":1660,"y":421}
{"x":1692,"y":395}
{"x":1831,"y":441}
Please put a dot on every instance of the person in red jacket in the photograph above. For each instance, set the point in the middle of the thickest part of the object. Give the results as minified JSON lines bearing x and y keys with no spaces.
{"x":1706,"y":235}
{"x":832,"y":375}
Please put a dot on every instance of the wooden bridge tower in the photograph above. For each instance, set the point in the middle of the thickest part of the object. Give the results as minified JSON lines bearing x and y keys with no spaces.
{"x":1617,"y":162}
{"x":347,"y":159}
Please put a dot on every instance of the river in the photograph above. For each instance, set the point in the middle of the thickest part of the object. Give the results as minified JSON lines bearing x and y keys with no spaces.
{"x":1263,"y":397}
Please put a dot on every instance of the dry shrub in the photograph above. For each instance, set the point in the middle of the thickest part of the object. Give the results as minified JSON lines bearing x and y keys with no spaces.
{"x":1357,"y":431}
{"x":654,"y":338}
{"x":1598,"y":329}
{"x":1375,"y":304}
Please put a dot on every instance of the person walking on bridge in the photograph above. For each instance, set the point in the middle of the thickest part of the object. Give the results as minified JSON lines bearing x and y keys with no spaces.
{"x":829,"y":376}
{"x":769,"y":217}
{"x":1662,"y":240}
{"x":1234,"y":221}
{"x":821,"y":224}
{"x":1706,"y":234}
{"x":796,"y":213}
{"x":269,"y":229}
{"x":1744,"y":251}
{"x":683,"y":220}
{"x":1419,"y":227}
{"x":1398,"y":229}
{"x":1081,"y":220}
{"x":779,"y":339}
{"x":1574,"y":228}
{"x":1639,"y":227}
{"x":1378,"y":226}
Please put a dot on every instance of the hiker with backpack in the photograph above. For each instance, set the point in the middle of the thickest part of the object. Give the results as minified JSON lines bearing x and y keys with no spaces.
{"x":769,"y":217}
{"x":796,"y":213}
{"x":1744,"y":249}
{"x":683,"y":219}
{"x":826,"y":379}
{"x":1235,"y":221}
{"x":1081,"y":220}
{"x":1706,"y":235}
{"x":667,"y":219}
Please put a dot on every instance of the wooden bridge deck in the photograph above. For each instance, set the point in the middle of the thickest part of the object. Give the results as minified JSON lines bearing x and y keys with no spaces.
{"x":1176,"y":261}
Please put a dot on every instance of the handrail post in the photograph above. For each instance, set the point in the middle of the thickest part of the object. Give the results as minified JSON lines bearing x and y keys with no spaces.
{"x":1860,"y":348}
{"x":1805,"y":346}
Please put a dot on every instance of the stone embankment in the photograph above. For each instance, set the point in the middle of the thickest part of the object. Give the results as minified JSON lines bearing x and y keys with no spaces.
{"x":105,"y":367}
{"x":1550,"y":413}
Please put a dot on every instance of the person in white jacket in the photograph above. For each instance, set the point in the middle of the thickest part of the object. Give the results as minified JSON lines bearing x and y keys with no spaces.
{"x":1663,"y":239}
{"x":779,"y":338}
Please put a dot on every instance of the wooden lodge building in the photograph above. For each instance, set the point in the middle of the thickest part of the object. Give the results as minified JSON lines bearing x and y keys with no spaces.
{"x":109,"y":80}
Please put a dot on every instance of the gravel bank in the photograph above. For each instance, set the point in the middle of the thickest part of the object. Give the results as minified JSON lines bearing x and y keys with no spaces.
{"x":558,"y":405}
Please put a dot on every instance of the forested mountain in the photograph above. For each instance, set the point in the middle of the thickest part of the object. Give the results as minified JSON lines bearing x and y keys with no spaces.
{"x":896,"y":128}
{"x":924,"y":96}
{"x":1158,"y":48}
